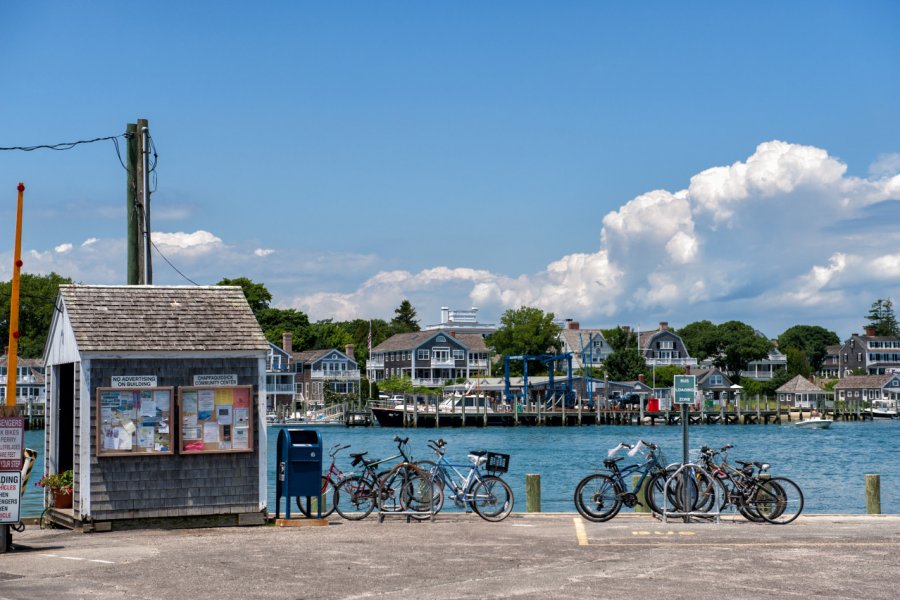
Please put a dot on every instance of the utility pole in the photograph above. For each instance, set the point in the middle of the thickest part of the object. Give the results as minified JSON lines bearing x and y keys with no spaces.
{"x":140,"y":270}
{"x":131,"y":207}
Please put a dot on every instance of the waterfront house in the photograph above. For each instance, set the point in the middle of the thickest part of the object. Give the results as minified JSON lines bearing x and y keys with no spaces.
{"x":324,"y":372}
{"x":156,"y":400}
{"x":31,"y":393}
{"x":715,"y":386}
{"x":588,"y":346}
{"x":429,"y":358}
{"x":801,"y":393}
{"x":866,"y":389}
{"x":876,"y":355}
{"x":662,"y":347}
{"x":831,"y":364}
{"x":280,"y":377}
{"x":765,"y":368}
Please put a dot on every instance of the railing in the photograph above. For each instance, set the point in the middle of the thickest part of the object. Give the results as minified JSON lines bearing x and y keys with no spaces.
{"x":429,"y":382}
{"x":435,"y":362}
{"x":281,"y":388}
{"x":683,"y":362}
{"x":354,"y":374}
{"x":478,"y":363}
{"x":375,"y":363}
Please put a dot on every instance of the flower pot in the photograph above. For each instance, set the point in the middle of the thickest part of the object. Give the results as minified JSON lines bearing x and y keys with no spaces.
{"x":61,"y":500}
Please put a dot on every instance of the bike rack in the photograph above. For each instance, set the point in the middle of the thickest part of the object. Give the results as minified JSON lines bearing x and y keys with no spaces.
{"x":384,"y":512}
{"x":715,"y":513}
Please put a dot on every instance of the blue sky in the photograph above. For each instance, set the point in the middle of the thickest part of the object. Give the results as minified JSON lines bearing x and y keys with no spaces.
{"x":614,"y":163}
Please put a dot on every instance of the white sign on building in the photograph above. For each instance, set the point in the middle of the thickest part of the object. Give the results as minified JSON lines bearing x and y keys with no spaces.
{"x":10,"y":496}
{"x":133,"y":381}
{"x":213,"y":380}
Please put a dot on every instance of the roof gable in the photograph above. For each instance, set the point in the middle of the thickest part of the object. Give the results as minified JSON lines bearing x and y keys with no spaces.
{"x":136,"y":318}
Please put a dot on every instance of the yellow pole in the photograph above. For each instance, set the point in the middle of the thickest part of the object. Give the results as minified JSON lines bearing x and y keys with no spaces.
{"x":13,"y":358}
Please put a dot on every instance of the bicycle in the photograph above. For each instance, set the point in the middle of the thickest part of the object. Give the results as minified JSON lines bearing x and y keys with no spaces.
{"x":599,"y":497}
{"x":755,"y":494}
{"x":489,"y":496}
{"x":329,"y":482}
{"x":356,"y":495}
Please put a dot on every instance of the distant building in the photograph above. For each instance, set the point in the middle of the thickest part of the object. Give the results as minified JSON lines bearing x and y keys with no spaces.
{"x":588,"y":346}
{"x":663,"y":347}
{"x":329,"y":369}
{"x":461,"y":321}
{"x":876,"y":355}
{"x":868,"y":388}
{"x":831,"y":364}
{"x":430,"y":358}
{"x":802,"y":393}
{"x":31,"y":394}
{"x":280,"y":376}
{"x":765,"y":368}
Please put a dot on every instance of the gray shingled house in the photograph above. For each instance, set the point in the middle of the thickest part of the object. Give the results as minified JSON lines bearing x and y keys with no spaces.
{"x":119,"y":361}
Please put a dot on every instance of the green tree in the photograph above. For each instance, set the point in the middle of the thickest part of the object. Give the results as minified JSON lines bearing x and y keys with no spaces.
{"x":525,"y":330}
{"x":620,"y":338}
{"x":811,"y":339}
{"x":700,"y":338}
{"x":37,"y":298}
{"x":256,"y":293}
{"x":797,"y":363}
{"x":664,"y":376}
{"x":396,"y":385}
{"x":625,"y":364}
{"x":328,"y":334}
{"x":738,"y":344}
{"x":882,"y":317}
{"x":404,"y":320}
{"x":277,"y":321}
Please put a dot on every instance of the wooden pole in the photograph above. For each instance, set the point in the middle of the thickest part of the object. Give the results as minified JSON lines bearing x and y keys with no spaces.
{"x":873,"y":494}
{"x":641,"y":506}
{"x":131,"y":207}
{"x":13,"y":357}
{"x":532,"y":492}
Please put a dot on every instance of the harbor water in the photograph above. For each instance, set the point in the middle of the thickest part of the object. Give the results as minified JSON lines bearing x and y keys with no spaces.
{"x":828,"y":464}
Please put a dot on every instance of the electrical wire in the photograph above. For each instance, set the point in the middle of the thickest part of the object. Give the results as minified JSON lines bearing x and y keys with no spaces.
{"x":155,"y":247}
{"x":62,"y":145}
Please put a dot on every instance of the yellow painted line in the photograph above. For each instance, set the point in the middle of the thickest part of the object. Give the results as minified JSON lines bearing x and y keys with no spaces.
{"x":663,"y":533}
{"x":580,"y":533}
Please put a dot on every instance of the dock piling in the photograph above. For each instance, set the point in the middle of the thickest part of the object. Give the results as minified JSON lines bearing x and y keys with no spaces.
{"x":532,"y":492}
{"x":873,"y":494}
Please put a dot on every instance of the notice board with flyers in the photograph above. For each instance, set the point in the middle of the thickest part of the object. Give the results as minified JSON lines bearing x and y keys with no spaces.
{"x":215,"y":419}
{"x":134,"y":421}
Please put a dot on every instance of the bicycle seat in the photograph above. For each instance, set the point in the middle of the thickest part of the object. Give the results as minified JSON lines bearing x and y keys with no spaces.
{"x":745,"y":463}
{"x":478,"y":452}
{"x":358,"y":454}
{"x":611,"y":461}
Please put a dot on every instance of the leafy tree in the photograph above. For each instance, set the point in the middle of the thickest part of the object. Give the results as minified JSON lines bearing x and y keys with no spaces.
{"x":882,"y":317}
{"x":256,"y":293}
{"x":396,"y":385}
{"x":620,"y":338}
{"x":738,"y":344}
{"x":700,"y":338}
{"x":797,"y":363}
{"x":525,"y":330}
{"x":811,"y":339}
{"x":664,"y":376}
{"x":37,"y":297}
{"x":404,"y":320}
{"x":276,"y":321}
{"x":625,"y":364}
{"x":328,"y":334}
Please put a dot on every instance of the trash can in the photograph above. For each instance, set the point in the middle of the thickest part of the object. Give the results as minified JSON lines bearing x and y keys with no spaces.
{"x":652,"y":404}
{"x":299,"y":460}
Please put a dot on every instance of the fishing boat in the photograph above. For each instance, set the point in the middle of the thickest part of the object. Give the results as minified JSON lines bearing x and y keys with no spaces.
{"x":884,"y":409}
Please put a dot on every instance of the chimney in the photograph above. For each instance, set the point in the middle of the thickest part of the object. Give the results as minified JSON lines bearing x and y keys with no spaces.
{"x":870,"y":330}
{"x":687,"y":369}
{"x":663,"y":325}
{"x":445,"y":314}
{"x":287,"y":342}
{"x":452,"y":334}
{"x":573,"y":325}
{"x":349,"y":349}
{"x":641,"y":377}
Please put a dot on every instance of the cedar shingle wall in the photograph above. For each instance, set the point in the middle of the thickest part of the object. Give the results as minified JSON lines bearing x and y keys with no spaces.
{"x":125,"y":487}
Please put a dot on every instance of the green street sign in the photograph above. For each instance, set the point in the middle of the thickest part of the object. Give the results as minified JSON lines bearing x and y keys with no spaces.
{"x":685,"y":389}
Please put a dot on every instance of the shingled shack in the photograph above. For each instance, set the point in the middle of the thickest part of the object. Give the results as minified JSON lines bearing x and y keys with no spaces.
{"x":156,"y":401}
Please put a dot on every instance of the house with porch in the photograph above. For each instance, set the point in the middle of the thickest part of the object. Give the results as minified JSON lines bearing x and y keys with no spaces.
{"x":429,"y":358}
{"x":801,"y":393}
{"x":325,"y":372}
{"x":664,"y":347}
{"x":876,"y":355}
{"x":867,"y":389}
{"x":588,"y":346}
{"x":280,"y":377}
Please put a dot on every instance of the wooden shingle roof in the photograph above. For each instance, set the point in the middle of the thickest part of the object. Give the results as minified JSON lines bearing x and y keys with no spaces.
{"x":410,"y":341}
{"x":862,"y":382}
{"x":798,"y":385}
{"x":137,"y":318}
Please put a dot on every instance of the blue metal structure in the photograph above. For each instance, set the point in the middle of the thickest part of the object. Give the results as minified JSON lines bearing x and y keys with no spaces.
{"x":545,"y":359}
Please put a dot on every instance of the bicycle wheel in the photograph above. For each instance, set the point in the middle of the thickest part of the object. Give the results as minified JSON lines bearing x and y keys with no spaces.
{"x":431,"y":468}
{"x":354,"y":497}
{"x":779,"y":500}
{"x":711,"y":494}
{"x":326,"y":499}
{"x":407,"y":487}
{"x":492,"y":498}
{"x":597,"y":499}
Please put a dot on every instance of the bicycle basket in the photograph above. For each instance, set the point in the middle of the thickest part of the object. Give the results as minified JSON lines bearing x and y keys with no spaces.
{"x":497,"y":463}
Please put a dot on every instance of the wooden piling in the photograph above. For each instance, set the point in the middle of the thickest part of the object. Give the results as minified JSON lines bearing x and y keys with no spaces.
{"x":532,"y":492}
{"x":641,"y":506}
{"x":873,"y":494}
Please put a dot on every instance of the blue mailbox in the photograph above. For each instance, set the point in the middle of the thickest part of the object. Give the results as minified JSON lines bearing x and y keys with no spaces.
{"x":299,"y":461}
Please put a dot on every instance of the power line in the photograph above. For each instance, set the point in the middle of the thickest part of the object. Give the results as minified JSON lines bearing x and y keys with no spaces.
{"x":155,"y":247}
{"x":62,"y":145}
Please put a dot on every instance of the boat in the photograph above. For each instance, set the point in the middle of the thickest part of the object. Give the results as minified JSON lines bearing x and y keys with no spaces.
{"x":814,"y":423}
{"x":451,"y":410}
{"x":883,"y":409}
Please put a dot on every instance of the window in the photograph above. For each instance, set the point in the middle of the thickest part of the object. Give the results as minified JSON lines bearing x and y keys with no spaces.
{"x":459,"y":355}
{"x":440,"y":354}
{"x":715,"y":379}
{"x":666,"y":345}
{"x":422,"y":354}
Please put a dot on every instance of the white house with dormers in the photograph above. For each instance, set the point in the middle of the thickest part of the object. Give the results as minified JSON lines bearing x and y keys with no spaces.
{"x":429,"y":358}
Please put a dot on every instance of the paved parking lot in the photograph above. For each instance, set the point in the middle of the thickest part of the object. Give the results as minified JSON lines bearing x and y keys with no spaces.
{"x":526,"y":556}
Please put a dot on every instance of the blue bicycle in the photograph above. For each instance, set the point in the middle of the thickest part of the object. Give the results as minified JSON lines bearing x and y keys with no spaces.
{"x":488,"y":495}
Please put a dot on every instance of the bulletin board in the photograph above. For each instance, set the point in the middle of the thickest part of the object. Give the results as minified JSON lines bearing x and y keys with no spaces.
{"x":135,"y":421}
{"x":216,"y":419}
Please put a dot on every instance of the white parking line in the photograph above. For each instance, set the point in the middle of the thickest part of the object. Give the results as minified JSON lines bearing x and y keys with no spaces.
{"x":94,"y":560}
{"x":580,"y":533}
